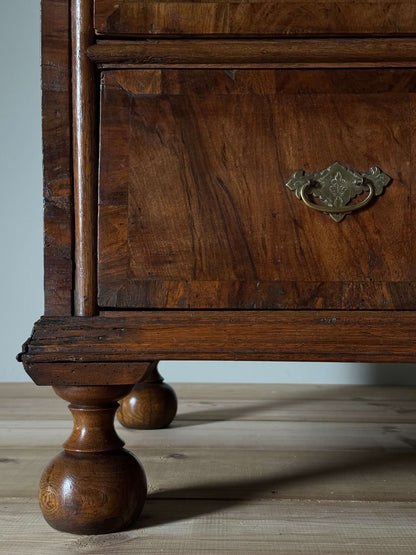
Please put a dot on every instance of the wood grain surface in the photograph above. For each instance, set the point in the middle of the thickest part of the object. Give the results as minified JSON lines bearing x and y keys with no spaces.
{"x":245,"y":468}
{"x":90,"y":373}
{"x":225,"y":335}
{"x":194,"y":212}
{"x":191,"y":216}
{"x":259,"y":53}
{"x":151,"y":405}
{"x":57,"y":157}
{"x":84,"y":133}
{"x":94,"y":486}
{"x":254,"y":17}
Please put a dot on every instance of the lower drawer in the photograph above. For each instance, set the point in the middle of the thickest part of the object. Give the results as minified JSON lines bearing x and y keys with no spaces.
{"x":194,"y":211}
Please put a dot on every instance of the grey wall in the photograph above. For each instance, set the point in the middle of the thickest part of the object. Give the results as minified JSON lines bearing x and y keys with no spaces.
{"x":21,"y":228}
{"x":21,"y":180}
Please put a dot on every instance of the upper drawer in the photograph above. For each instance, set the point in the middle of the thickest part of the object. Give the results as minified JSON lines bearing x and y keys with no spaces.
{"x":255,"y":17}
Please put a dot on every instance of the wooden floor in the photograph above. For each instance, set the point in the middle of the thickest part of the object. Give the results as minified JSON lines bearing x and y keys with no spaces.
{"x":244,"y":469}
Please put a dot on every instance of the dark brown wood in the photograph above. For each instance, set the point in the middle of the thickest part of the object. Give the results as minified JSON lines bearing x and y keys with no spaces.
{"x":151,"y":405}
{"x":57,"y":161}
{"x":254,"y":17}
{"x":360,"y":336}
{"x":94,"y":486}
{"x":199,"y":132}
{"x":84,"y":92}
{"x":261,"y":295}
{"x":268,"y":81}
{"x":238,"y":53}
{"x":193,"y":209}
{"x":87,"y":373}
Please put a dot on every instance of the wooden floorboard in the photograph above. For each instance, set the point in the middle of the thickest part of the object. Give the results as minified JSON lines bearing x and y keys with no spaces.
{"x":212,"y":526}
{"x":244,"y":469}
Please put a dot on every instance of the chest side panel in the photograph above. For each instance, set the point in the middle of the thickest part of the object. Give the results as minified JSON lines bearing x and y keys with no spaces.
{"x":194,"y":211}
{"x":57,"y":157}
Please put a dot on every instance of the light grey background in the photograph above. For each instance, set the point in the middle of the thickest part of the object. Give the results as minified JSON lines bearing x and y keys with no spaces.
{"x":21,"y":229}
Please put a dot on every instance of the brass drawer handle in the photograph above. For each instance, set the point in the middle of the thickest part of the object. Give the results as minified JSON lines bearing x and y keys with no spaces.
{"x":336,"y":186}
{"x":342,"y":210}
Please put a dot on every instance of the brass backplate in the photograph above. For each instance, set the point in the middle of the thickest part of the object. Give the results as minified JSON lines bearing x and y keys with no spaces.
{"x":336,"y":186}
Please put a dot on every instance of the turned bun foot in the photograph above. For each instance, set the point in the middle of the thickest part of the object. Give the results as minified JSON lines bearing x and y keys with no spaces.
{"x":151,"y":405}
{"x":93,"y":494}
{"x":94,"y":486}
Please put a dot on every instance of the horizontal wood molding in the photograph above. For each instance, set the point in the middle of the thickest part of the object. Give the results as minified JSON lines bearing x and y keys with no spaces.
{"x":237,"y":53}
{"x":360,"y":336}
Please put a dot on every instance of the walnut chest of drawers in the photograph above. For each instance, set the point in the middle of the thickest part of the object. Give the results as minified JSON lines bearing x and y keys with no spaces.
{"x":222,"y":180}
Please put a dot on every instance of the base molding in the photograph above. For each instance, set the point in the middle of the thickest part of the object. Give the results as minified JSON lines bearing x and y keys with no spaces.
{"x":139,"y":337}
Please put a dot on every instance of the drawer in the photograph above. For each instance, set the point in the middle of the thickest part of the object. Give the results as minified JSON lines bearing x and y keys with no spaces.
{"x":255,"y":17}
{"x":194,"y":211}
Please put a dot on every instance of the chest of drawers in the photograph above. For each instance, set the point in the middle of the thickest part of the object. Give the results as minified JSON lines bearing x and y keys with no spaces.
{"x":222,"y":180}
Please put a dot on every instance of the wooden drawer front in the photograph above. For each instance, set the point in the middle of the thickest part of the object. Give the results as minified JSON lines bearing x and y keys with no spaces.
{"x":255,"y":17}
{"x":193,"y":207}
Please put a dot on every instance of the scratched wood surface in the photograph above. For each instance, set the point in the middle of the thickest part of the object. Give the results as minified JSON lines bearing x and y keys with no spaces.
{"x":57,"y":158}
{"x":242,"y":53}
{"x":254,"y":17}
{"x":194,"y":212}
{"x":244,"y":469}
{"x":360,"y":336}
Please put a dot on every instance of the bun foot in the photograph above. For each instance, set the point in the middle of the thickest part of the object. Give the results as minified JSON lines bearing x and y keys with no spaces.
{"x":94,"y":493}
{"x":94,"y":486}
{"x":151,"y":405}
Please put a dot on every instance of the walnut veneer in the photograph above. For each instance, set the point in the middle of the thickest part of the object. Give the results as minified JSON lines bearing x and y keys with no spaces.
{"x":170,"y":130}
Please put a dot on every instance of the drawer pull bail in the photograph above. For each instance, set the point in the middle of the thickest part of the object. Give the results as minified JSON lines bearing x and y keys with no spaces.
{"x":336,"y":186}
